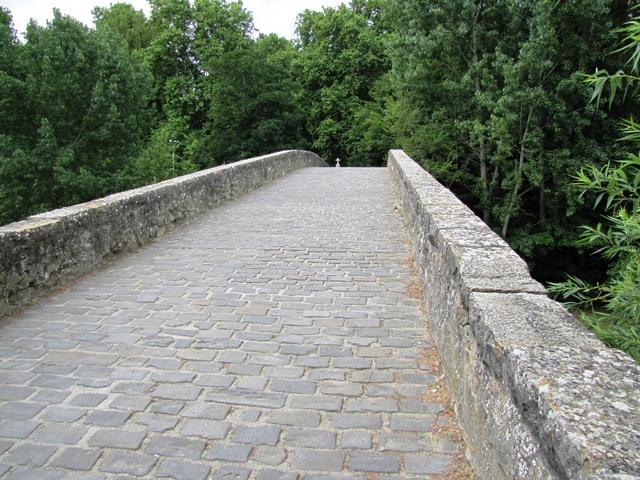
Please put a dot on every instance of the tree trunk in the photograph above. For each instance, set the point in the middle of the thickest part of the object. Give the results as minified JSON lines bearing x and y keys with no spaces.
{"x":542,"y":204}
{"x":542,"y":207}
{"x":516,"y":188}
{"x":482,"y":154}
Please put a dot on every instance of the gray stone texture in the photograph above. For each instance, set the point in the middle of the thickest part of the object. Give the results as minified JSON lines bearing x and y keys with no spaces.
{"x":49,"y":249}
{"x":183,"y":470}
{"x":537,"y":396}
{"x":76,"y":458}
{"x":136,"y":464}
{"x":271,"y":337}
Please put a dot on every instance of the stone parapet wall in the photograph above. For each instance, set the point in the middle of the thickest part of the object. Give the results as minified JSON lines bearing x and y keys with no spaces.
{"x":537,"y":396}
{"x":47,"y":250}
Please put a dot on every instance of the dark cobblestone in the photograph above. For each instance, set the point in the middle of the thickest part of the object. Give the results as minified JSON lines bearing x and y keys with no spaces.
{"x":17,"y":429}
{"x":62,"y":414}
{"x":209,"y":411}
{"x":302,"y":418}
{"x":205,"y":428}
{"x":183,"y":470}
{"x":108,"y":418}
{"x":356,"y":439}
{"x":232,"y":473}
{"x":374,"y":462}
{"x":52,"y":433}
{"x":29,"y":454}
{"x":20,"y":410}
{"x":136,"y":464}
{"x":229,"y":452}
{"x":256,"y":435}
{"x":432,"y":464}
{"x":157,"y":422}
{"x":171,"y":446}
{"x":310,"y":437}
{"x":276,"y":475}
{"x":117,"y":439}
{"x":271,"y":338}
{"x":356,"y":420}
{"x":76,"y":458}
{"x":269,"y":455}
{"x":88,"y":399}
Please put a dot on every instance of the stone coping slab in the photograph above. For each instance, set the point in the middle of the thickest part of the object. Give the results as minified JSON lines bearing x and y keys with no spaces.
{"x":537,"y":395}
{"x":47,"y":250}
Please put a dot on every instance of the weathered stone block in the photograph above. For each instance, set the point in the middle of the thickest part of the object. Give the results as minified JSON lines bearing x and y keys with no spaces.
{"x":537,"y":396}
{"x":136,"y":464}
{"x":47,"y":250}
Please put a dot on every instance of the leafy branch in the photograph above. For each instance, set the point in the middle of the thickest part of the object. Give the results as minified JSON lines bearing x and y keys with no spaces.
{"x":612,"y":308}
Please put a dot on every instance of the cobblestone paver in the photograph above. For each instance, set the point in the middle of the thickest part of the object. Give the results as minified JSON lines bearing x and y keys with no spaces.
{"x":272,"y":338}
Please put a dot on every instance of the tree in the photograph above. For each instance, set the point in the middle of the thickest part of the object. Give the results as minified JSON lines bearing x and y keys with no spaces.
{"x":612,"y":308}
{"x":489,"y":98}
{"x":342,"y":57}
{"x":83,"y":108}
{"x":190,"y":40}
{"x":127,"y":23}
{"x":12,"y":120}
{"x":166,"y":154}
{"x":254,"y":103}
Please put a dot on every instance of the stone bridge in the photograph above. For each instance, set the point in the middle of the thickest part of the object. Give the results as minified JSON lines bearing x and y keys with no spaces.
{"x":274,"y":319}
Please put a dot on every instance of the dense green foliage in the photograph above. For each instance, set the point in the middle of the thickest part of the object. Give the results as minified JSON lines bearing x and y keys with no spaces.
{"x":488,"y":95}
{"x":341,"y":66}
{"x":256,"y":108}
{"x":491,"y":99}
{"x":87,"y":112}
{"x":74,"y":106}
{"x":612,"y":308}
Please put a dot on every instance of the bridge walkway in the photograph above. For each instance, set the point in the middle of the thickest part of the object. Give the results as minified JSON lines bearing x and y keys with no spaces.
{"x":276,"y":337}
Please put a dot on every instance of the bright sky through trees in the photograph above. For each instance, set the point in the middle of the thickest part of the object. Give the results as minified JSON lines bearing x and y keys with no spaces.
{"x":270,"y":16}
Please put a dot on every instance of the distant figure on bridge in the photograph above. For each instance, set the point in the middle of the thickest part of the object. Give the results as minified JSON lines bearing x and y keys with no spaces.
{"x":337,"y":163}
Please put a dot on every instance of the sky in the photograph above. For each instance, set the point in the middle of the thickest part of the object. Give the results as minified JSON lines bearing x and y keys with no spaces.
{"x":270,"y":16}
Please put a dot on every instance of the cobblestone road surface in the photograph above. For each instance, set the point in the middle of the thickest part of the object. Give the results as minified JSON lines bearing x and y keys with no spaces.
{"x":272,"y":338}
